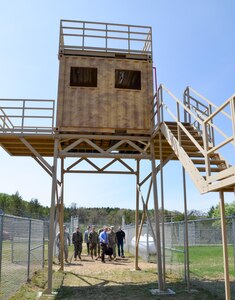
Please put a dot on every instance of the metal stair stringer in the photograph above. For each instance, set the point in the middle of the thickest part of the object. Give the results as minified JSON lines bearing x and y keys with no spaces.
{"x":185,"y":160}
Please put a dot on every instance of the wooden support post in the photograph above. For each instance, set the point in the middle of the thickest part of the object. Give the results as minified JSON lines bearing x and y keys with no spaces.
{"x":61,"y":229}
{"x":225,"y":249}
{"x":163,"y":211}
{"x":157,"y":223}
{"x":233,"y":237}
{"x":61,"y":217}
{"x":137,"y":215}
{"x":52,"y":217}
{"x":186,"y":251}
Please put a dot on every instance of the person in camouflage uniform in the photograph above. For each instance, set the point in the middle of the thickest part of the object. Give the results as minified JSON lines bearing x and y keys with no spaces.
{"x":112,"y":239}
{"x":66,"y":244}
{"x":93,"y":239}
{"x":77,"y":240}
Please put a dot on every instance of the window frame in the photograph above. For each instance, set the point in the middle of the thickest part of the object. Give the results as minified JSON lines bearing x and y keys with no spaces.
{"x":128,"y":77}
{"x":74,"y":81}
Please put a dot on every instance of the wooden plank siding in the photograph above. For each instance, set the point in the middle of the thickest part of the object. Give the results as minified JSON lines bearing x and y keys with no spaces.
{"x":104,"y":108}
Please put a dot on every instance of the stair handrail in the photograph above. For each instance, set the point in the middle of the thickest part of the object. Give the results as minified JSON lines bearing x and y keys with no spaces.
{"x":231,"y":102}
{"x":202,"y":110}
{"x":210,"y":126}
{"x":160,"y":105}
{"x":207,"y":100}
{"x":209,"y":108}
{"x":208,"y":147}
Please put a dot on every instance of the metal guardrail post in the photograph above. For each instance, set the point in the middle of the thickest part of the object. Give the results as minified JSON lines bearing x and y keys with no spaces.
{"x":23,"y":116}
{"x":29,"y":250}
{"x":1,"y":238}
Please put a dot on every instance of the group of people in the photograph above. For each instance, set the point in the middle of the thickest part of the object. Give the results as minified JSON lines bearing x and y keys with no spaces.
{"x":99,"y":244}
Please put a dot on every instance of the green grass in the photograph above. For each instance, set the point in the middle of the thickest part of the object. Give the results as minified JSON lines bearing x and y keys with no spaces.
{"x":206,"y":262}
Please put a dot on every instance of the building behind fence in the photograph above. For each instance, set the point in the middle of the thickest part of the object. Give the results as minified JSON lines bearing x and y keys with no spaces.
{"x":22,"y":248}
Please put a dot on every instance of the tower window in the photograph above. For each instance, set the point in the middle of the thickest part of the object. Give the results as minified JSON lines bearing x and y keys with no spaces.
{"x":127,"y":79}
{"x":80,"y":76}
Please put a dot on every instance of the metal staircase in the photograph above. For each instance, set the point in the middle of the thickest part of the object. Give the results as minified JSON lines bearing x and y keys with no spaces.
{"x":196,"y":140}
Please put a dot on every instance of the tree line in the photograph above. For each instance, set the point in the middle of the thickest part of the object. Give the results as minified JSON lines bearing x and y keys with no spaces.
{"x":15,"y":205}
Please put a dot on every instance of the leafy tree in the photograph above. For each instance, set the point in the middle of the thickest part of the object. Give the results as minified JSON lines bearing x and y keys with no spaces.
{"x":4,"y":202}
{"x":18,"y":205}
{"x":211,"y":212}
{"x":34,"y":208}
{"x":229,"y":210}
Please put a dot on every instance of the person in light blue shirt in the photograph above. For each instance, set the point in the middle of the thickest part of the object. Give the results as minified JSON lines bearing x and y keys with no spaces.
{"x":103,"y":237}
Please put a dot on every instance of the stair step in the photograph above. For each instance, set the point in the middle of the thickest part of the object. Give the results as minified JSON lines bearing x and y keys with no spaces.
{"x":169,"y":123}
{"x":190,"y":148}
{"x":183,"y":134}
{"x":203,"y":169}
{"x":212,"y":162}
{"x":199,"y":154}
{"x":189,"y":142}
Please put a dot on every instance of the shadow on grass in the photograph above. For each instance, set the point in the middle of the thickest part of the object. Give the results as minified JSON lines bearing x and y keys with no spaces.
{"x":113,"y":290}
{"x":215,"y":287}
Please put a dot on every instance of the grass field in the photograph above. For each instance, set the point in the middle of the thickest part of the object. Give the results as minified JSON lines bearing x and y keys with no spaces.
{"x":206,"y":262}
{"x":206,"y":273}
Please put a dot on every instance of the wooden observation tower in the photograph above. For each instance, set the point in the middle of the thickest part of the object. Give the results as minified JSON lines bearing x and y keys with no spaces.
{"x":108,"y":107}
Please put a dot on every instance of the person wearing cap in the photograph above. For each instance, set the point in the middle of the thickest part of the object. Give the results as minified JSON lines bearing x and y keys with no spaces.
{"x":93,"y":241}
{"x":103,"y":243}
{"x":120,"y":238}
{"x":66,"y":244}
{"x":77,"y":240}
{"x":112,"y":240}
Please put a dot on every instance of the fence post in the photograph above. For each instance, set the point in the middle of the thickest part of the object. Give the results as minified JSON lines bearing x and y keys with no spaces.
{"x":12,"y":241}
{"x":1,"y":238}
{"x":29,"y":246}
{"x":233,"y":237}
{"x":43,"y":244}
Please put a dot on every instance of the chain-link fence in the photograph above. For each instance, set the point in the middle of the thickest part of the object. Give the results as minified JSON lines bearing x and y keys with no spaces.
{"x":22,"y":246}
{"x":204,"y":247}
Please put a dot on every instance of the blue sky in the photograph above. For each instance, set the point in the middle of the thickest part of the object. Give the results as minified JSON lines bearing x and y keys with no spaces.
{"x":193,"y":44}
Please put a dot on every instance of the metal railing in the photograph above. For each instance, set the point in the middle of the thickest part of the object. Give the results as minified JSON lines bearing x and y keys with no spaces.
{"x":105,"y":37}
{"x":27,"y":116}
{"x":202,"y":110}
{"x":215,"y":124}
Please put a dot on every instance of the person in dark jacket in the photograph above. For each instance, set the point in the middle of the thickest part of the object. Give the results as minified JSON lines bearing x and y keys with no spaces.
{"x":77,"y":240}
{"x":93,"y":241}
{"x":120,"y":239}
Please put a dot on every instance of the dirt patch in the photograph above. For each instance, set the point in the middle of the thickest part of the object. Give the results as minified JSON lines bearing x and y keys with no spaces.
{"x":91,"y":279}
